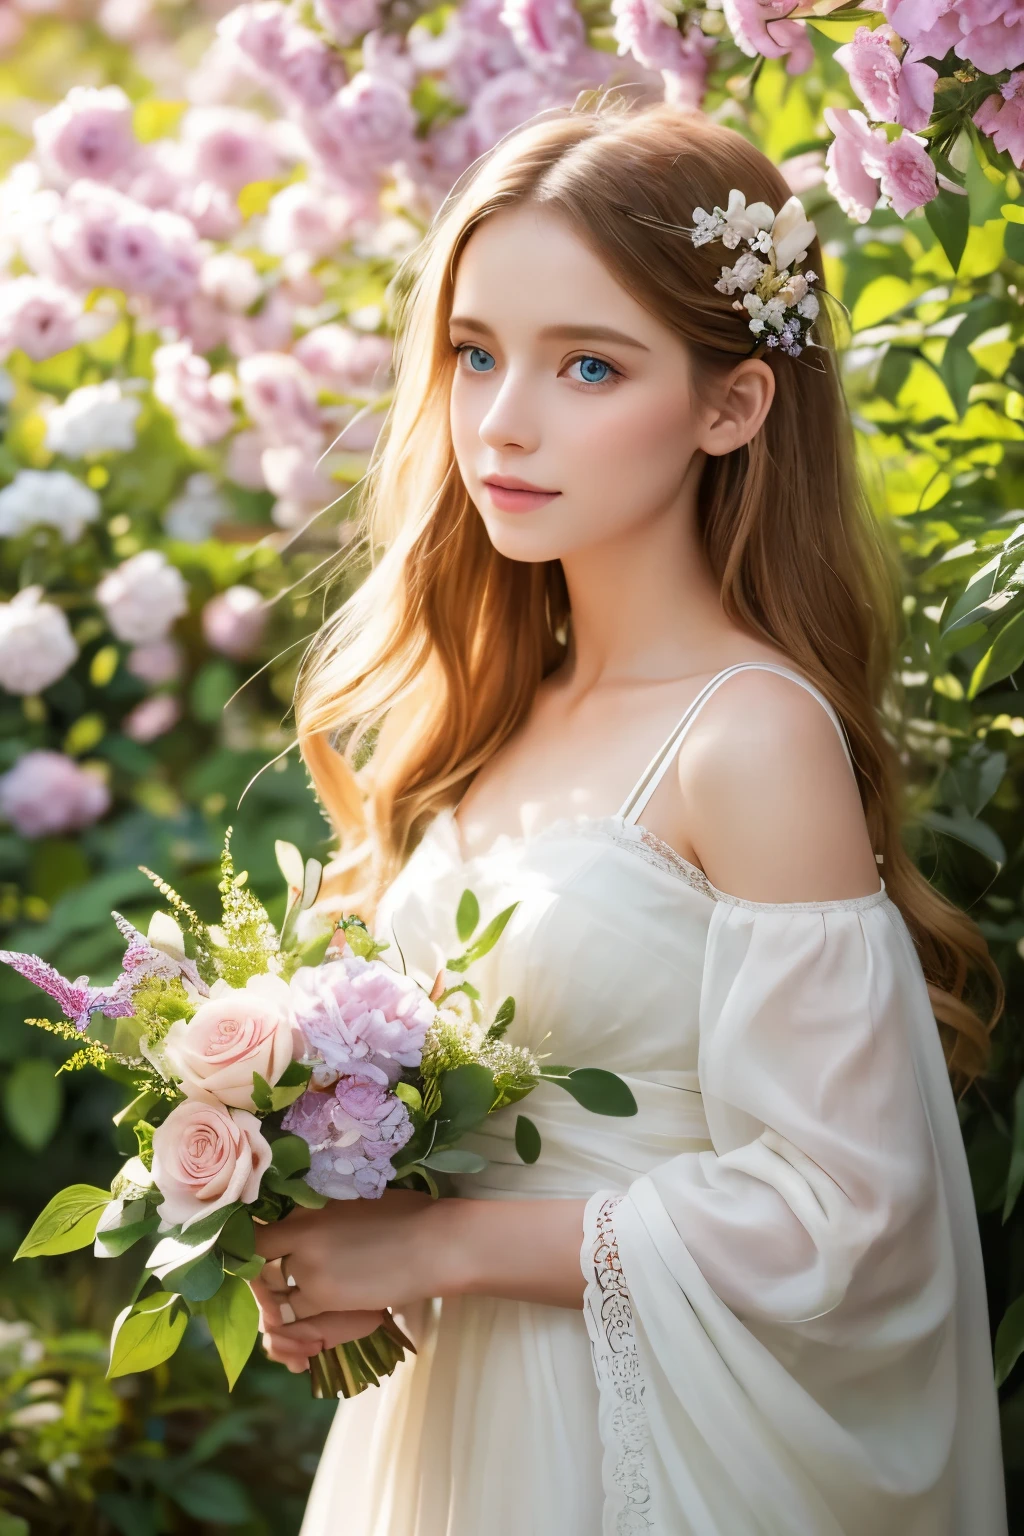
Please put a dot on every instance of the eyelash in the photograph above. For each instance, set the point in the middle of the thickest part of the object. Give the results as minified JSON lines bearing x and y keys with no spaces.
{"x":588,"y":387}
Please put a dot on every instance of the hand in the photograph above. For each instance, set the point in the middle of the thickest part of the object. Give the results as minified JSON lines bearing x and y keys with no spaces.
{"x":351,"y":1256}
{"x":291,"y":1343}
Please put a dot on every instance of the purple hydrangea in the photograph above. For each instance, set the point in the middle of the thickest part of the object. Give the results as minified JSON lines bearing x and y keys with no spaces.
{"x":360,"y":1016}
{"x":353,"y":1133}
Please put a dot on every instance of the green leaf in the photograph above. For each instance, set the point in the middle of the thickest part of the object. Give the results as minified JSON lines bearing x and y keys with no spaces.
{"x":467,"y":916}
{"x":486,"y":942}
{"x":1003,"y":657}
{"x":113,"y":1241}
{"x":211,"y":1497}
{"x":1015,"y":1177}
{"x":186,"y":1243}
{"x":32,"y":1102}
{"x":968,"y":829}
{"x":245,"y":1269}
{"x":13,"y":1525}
{"x":197,"y":1280}
{"x":1009,"y":1340}
{"x":146,"y":1334}
{"x":294,"y":1189}
{"x":238,"y":1238}
{"x":261,"y":1094}
{"x":455,"y":1160}
{"x":289,"y":1154}
{"x":603,"y":1093}
{"x":949,"y":216}
{"x":467,"y":1093}
{"x":138,"y":1109}
{"x":67,"y":1223}
{"x":502,"y":1019}
{"x":410,"y":1096}
{"x":527,"y":1139}
{"x":234,"y":1321}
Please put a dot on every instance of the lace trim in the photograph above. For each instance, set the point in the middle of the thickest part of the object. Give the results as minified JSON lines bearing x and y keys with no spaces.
{"x":622,"y":1415}
{"x":649,"y":847}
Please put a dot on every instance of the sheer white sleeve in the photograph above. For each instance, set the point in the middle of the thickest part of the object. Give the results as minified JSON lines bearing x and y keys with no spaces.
{"x":793,"y":1305}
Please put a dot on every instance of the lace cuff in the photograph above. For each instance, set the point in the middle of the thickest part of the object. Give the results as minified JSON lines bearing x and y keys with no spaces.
{"x":622,"y":1418}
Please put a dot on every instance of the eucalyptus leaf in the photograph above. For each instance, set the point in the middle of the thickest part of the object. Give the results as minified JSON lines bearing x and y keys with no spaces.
{"x":467,"y":916}
{"x":455,"y":1160}
{"x":968,"y":829}
{"x":197,"y":1280}
{"x":603,"y":1093}
{"x":485,"y":943}
{"x":527,"y":1139}
{"x":289,"y":1154}
{"x":467,"y":1093}
{"x":68,"y":1222}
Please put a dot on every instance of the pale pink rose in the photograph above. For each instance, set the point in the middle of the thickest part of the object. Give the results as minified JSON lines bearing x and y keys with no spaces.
{"x":906,"y":172}
{"x":643,"y":29}
{"x":504,"y":104}
{"x":89,"y":134}
{"x":388,"y":53}
{"x":159,"y":662}
{"x":307,"y":218}
{"x":229,"y":146}
{"x":206,"y":1157}
{"x":39,"y":317}
{"x":347,"y":20}
{"x":473,"y":48}
{"x":198,"y":399}
{"x":548,"y":33}
{"x":142,"y":598}
{"x":234,"y":1033}
{"x":992,"y":34}
{"x":269,"y":330}
{"x":301,"y":485}
{"x":847,"y":175}
{"x":284,"y":53}
{"x":151,"y":718}
{"x":280,"y":397}
{"x":47,"y":794}
{"x":234,"y":621}
{"x":766,"y":27}
{"x":804,"y":171}
{"x":367,"y":126}
{"x":107,"y":240}
{"x":230,"y":280}
{"x":346,"y":359}
{"x":360,"y":1016}
{"x":892,"y":91}
{"x":36,"y":643}
{"x":243,"y":462}
{"x":1002,"y":118}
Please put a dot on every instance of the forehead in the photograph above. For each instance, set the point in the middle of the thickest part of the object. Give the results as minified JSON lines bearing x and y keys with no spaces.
{"x":526,"y":267}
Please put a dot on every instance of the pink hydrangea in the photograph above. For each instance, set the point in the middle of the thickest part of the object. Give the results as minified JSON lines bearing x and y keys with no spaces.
{"x":88,"y":134}
{"x":361,"y":1016}
{"x":234,"y":621}
{"x":892,"y":91}
{"x":46,"y":794}
{"x":767,"y":27}
{"x":363,"y":130}
{"x":280,"y":397}
{"x":197,"y":398}
{"x":347,"y":20}
{"x":353,"y":1133}
{"x":1002,"y":117}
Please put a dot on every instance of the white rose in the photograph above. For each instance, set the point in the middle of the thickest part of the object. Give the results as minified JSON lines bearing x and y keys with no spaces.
{"x":47,"y":498}
{"x":98,"y":418}
{"x":142,"y":597}
{"x":236,"y":1032}
{"x":36,"y":643}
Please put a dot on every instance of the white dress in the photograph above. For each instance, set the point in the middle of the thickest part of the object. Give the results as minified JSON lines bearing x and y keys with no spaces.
{"x":785,"y":1330}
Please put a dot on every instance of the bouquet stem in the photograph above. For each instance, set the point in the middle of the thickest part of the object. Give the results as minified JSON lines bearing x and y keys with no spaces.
{"x":349,"y":1369}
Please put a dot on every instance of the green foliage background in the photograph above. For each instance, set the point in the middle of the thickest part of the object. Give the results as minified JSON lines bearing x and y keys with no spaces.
{"x":935,"y":368}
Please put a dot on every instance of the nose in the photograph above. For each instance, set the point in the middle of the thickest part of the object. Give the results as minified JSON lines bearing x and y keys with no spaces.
{"x":511,"y":419}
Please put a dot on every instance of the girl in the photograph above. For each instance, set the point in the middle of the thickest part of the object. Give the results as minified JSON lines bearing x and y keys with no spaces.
{"x":619,"y":517}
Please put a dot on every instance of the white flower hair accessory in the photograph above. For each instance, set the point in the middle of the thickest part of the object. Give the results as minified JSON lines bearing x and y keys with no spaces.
{"x":777,"y":298}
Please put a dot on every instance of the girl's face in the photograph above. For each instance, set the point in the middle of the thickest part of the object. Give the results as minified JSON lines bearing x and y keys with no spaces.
{"x":564,"y":381}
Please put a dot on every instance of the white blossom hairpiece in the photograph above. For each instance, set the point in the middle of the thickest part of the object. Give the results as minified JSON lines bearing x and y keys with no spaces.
{"x":778,"y":299}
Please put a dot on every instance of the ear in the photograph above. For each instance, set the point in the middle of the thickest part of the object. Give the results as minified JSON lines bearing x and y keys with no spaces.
{"x":740,"y":406}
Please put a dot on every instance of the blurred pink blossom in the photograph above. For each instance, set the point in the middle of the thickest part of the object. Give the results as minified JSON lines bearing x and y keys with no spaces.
{"x":345,"y":359}
{"x":504,"y":103}
{"x":648,"y":31}
{"x":104,"y":239}
{"x":159,"y":662}
{"x":548,"y":33}
{"x":88,"y":134}
{"x":151,"y":718}
{"x":766,"y":27}
{"x":234,"y":621}
{"x":46,"y":793}
{"x":280,"y":397}
{"x":36,"y":643}
{"x":284,"y":53}
{"x":388,"y":53}
{"x":347,"y":20}
{"x":39,"y":317}
{"x":230,"y":280}
{"x":142,"y":597}
{"x":1002,"y":117}
{"x":229,"y":146}
{"x":270,"y":329}
{"x":891,"y":91}
{"x":243,"y":461}
{"x":363,"y":129}
{"x":197,"y":398}
{"x":308,"y":218}
{"x":473,"y":48}
{"x":804,"y":171}
{"x":301,"y":485}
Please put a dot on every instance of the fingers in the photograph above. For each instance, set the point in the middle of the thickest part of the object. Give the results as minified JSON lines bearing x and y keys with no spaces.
{"x":291,"y":1342}
{"x":276,"y":1239}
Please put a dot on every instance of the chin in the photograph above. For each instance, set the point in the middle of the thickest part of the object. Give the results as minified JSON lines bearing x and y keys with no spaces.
{"x":533,"y":546}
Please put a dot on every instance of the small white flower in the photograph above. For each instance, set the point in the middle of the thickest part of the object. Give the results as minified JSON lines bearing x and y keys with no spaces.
{"x":743,"y":223}
{"x":744,"y":275}
{"x":36,"y":643}
{"x":792,"y":233}
{"x":48,"y":498}
{"x":142,"y":597}
{"x":706,"y":226}
{"x":98,"y":418}
{"x":192,"y":516}
{"x":774,"y":314}
{"x":809,"y":306}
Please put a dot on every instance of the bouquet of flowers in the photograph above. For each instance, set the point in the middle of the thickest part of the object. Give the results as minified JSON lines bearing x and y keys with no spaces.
{"x":270,"y":1070}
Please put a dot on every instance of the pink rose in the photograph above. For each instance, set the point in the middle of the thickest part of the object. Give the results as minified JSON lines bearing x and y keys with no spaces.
{"x":39,"y":317}
{"x":765,"y":27}
{"x":236,"y":1032}
{"x":347,"y":20}
{"x":197,"y":398}
{"x":285,"y":53}
{"x":1002,"y":117}
{"x":229,"y":146}
{"x":986,"y":33}
{"x":505,"y":103}
{"x":234,"y":621}
{"x":906,"y":172}
{"x":345,"y":359}
{"x":280,"y":397}
{"x":549,"y":33}
{"x":364,"y":129}
{"x":206,"y":1157}
{"x":892,"y":91}
{"x":89,"y":134}
{"x":306,"y":218}
{"x":642,"y":30}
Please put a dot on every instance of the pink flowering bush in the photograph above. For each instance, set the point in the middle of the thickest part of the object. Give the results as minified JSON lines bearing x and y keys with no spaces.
{"x":46,"y":794}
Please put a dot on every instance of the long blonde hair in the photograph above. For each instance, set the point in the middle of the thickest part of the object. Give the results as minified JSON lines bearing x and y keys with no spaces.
{"x":435,"y":660}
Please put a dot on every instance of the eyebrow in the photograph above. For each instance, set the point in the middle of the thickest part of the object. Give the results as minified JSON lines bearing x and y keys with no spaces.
{"x":560,"y":332}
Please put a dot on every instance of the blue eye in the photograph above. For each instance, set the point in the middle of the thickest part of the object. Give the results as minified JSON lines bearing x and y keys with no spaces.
{"x":588,"y":363}
{"x":476,"y":352}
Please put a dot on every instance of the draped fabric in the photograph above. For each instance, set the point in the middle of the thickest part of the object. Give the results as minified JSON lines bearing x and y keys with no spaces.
{"x":785,"y":1330}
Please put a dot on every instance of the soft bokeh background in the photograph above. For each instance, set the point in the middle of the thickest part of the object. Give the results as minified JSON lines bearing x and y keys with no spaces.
{"x":199,"y":213}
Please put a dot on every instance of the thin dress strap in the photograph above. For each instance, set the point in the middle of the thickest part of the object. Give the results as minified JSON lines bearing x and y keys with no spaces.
{"x":636,"y":800}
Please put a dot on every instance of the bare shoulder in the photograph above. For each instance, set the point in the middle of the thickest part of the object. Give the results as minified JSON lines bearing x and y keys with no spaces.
{"x":772,"y":808}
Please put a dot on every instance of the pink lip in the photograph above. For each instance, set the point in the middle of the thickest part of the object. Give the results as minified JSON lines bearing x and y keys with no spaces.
{"x":512,"y":495}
